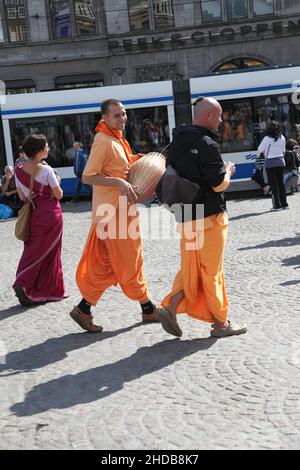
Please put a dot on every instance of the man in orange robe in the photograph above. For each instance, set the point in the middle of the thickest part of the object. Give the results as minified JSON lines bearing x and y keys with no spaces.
{"x":112,"y":255}
{"x":199,"y":287}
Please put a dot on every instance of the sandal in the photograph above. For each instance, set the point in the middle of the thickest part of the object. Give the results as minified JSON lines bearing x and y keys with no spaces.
{"x":168,"y":322}
{"x":22,"y":297}
{"x":228,"y":330}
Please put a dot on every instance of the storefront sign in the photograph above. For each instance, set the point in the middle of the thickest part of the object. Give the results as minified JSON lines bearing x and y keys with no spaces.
{"x":205,"y":36}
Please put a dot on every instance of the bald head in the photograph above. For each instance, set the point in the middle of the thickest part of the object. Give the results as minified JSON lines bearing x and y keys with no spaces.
{"x":208,"y":113}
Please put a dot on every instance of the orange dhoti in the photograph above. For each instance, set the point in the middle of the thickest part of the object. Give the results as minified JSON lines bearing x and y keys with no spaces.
{"x":201,"y":276}
{"x":111,"y":261}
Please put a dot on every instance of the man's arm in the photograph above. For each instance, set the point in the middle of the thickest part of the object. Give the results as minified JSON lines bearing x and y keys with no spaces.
{"x":125,"y":188}
{"x":230,"y":171}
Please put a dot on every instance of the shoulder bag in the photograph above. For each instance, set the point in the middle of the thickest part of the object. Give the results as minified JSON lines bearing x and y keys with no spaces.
{"x":173,"y":189}
{"x":22,"y":224}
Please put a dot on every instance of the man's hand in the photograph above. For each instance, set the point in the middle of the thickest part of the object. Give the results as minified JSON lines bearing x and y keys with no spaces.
{"x":126,"y":189}
{"x":230,"y":168}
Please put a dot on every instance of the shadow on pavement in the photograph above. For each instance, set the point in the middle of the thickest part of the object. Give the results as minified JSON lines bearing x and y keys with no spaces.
{"x":245,"y":216}
{"x":292,"y":261}
{"x":54,"y":350}
{"x":291,"y":241}
{"x":95,"y":384}
{"x":15,"y":310}
{"x":290,"y":283}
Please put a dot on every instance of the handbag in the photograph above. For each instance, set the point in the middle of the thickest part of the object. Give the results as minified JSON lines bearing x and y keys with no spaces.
{"x":174,"y":189}
{"x":22,"y":224}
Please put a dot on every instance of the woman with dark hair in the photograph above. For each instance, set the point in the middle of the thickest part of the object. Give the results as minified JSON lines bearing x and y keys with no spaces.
{"x":39,"y":275}
{"x":273,"y":148}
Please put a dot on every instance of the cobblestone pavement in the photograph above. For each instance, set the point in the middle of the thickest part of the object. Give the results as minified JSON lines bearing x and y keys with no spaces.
{"x":134,"y":386}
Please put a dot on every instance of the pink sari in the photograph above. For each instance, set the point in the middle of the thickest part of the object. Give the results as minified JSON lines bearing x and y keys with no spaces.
{"x":40,"y":268}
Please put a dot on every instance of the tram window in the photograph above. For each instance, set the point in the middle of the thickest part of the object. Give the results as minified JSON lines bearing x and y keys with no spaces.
{"x":271,"y":108}
{"x":295,"y":121}
{"x":147,"y":129}
{"x":236,"y":131}
{"x":61,"y":132}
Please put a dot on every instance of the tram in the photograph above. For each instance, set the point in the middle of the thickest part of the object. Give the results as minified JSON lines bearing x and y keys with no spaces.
{"x":250,"y":100}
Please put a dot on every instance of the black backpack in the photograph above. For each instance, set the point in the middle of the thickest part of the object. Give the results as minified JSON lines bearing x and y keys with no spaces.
{"x":175,"y":189}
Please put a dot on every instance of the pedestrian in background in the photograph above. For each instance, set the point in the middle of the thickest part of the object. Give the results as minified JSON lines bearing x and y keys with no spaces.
{"x":21,"y":157}
{"x":273,"y":148}
{"x":80,"y":159}
{"x":8,"y":190}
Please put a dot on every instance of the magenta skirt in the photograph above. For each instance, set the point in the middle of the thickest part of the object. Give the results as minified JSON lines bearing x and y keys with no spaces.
{"x":39,"y":271}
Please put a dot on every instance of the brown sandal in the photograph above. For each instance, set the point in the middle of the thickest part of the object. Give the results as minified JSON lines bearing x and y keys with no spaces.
{"x":169,"y":322}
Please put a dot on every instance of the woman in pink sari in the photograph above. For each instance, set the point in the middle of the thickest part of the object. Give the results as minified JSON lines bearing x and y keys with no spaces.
{"x":39,"y":276}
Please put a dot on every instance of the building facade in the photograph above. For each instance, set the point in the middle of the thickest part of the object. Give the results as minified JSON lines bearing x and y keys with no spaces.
{"x":56,"y":44}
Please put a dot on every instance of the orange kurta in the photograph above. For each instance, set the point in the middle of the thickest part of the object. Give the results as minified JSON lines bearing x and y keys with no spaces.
{"x":201,"y":275}
{"x":117,"y":258}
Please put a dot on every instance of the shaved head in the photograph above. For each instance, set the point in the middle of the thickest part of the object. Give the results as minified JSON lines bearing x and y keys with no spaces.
{"x":207,"y":113}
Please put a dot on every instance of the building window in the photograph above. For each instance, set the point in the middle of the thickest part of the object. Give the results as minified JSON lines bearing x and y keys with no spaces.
{"x":237,"y":8}
{"x":16,"y":20}
{"x":163,"y":13}
{"x":240,"y":63}
{"x":70,"y":18}
{"x":85,"y":17}
{"x":138,"y":14}
{"x":290,"y":6}
{"x":150,"y":14}
{"x":79,"y":81}
{"x":263,"y":7}
{"x":211,"y":10}
{"x":14,"y":87}
{"x":60,"y":16}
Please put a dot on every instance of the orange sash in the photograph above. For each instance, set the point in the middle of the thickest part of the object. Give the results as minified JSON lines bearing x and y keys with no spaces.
{"x":103,"y":127}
